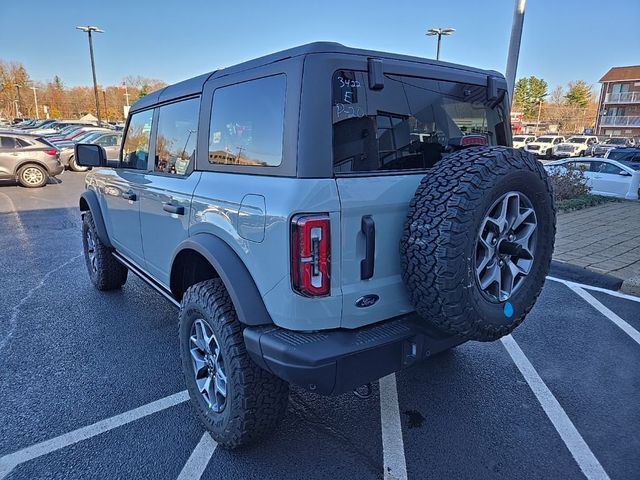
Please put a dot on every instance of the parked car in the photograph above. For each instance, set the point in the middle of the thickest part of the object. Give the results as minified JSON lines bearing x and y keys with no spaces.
{"x":607,"y":177}
{"x":543,"y":146}
{"x":109,"y":141}
{"x":625,"y":154}
{"x":520,"y":141}
{"x":600,"y":149}
{"x":29,"y":159}
{"x":259,"y":198}
{"x":575,"y":146}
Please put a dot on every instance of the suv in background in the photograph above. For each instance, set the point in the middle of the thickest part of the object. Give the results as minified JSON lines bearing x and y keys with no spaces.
{"x":29,"y":159}
{"x":543,"y":146}
{"x":575,"y":146}
{"x":521,"y":141}
{"x":600,"y":149}
{"x":323,"y":216}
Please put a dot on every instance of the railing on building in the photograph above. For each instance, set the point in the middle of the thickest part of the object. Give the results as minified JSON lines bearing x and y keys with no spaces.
{"x":622,"y":97}
{"x":620,"y":121}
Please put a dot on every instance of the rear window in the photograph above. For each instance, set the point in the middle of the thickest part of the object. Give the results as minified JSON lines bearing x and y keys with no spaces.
{"x":411,"y":123}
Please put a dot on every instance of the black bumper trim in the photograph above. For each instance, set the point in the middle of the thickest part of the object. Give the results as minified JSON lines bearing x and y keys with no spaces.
{"x":337,"y":361}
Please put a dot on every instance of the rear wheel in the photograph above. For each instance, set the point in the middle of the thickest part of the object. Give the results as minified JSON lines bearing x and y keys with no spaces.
{"x":33,"y":176}
{"x":73,"y":165}
{"x":478,"y":241}
{"x":236,"y":400}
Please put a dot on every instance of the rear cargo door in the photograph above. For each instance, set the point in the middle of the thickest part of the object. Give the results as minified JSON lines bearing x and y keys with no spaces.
{"x":384,"y":142}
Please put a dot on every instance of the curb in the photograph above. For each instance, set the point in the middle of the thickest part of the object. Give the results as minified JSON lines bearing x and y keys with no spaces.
{"x":577,"y":274}
{"x":632,"y":286}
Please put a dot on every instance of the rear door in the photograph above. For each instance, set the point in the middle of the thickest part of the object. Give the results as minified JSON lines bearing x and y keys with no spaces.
{"x":9,"y":156}
{"x":384,"y":142}
{"x":165,"y":197}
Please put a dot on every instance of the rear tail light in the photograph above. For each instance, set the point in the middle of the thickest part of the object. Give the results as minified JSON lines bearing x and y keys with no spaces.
{"x":311,"y":255}
{"x":52,"y":152}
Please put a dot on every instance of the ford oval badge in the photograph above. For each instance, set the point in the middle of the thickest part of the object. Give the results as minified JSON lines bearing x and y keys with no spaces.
{"x":367,"y":301}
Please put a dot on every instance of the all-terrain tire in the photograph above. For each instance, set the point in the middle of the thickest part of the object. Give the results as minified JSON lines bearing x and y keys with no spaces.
{"x":439,"y":241}
{"x":105,"y":272}
{"x":256,"y":400}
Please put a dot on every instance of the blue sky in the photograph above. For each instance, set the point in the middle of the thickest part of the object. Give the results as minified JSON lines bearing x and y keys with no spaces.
{"x":563,"y":39}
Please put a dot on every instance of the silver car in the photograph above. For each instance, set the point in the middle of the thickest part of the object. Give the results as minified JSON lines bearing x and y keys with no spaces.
{"x":109,"y":140}
{"x":29,"y":159}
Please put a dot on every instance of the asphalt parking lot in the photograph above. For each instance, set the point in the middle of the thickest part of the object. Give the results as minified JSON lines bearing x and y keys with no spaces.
{"x":91,"y":387}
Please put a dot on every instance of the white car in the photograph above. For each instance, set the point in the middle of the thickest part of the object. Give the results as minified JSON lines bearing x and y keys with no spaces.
{"x":611,"y":178}
{"x":575,"y":146}
{"x":520,"y":141}
{"x":543,"y":146}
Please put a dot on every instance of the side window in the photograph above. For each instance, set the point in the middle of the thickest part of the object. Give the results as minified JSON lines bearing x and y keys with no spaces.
{"x":22,"y":143}
{"x":107,"y":141}
{"x":7,"y":142}
{"x":136,"y":143}
{"x":584,"y":166}
{"x":247,"y":123}
{"x":610,"y":168}
{"x":177,"y":136}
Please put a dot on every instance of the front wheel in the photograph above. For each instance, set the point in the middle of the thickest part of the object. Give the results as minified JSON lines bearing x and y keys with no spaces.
{"x":32,"y":176}
{"x":105,"y":272}
{"x":236,"y":400}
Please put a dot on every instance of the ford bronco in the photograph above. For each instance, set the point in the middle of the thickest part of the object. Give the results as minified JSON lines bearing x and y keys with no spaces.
{"x":322,"y":216}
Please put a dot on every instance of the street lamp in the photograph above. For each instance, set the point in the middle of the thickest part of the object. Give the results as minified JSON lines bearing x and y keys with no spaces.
{"x":439,"y":32}
{"x":35,"y":100}
{"x":89,"y":29}
{"x":18,"y":87}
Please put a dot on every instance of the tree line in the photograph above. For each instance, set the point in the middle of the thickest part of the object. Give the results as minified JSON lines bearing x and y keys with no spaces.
{"x":572,"y":107}
{"x":18,"y":98}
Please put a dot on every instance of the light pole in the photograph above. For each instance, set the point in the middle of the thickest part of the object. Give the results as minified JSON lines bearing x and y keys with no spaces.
{"x":439,"y":32}
{"x":35,"y":100}
{"x":89,"y":29}
{"x":104,"y":98}
{"x":19,"y":99}
{"x":514,"y":45}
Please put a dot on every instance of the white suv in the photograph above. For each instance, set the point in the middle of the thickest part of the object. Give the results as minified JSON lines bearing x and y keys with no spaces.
{"x":543,"y":146}
{"x":575,"y":146}
{"x":521,"y":141}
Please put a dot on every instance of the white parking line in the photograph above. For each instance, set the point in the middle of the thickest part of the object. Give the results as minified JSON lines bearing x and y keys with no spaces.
{"x":199,"y":458}
{"x":624,"y":326}
{"x":613,"y":293}
{"x":395,"y":465}
{"x":579,"y":449}
{"x":12,"y":460}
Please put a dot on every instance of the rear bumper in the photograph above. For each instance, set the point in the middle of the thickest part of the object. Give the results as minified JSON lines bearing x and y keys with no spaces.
{"x":337,"y":361}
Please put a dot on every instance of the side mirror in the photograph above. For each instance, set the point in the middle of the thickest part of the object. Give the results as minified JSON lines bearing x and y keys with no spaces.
{"x":90,"y":155}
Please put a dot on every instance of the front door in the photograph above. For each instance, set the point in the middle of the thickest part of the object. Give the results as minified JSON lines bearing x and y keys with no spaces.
{"x":121,"y":188}
{"x":165,"y":199}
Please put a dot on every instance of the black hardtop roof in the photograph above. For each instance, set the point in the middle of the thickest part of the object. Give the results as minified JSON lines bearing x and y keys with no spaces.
{"x":194,"y":85}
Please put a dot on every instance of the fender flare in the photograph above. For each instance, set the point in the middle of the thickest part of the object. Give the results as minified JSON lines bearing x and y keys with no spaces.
{"x":89,"y":201}
{"x":239,"y":283}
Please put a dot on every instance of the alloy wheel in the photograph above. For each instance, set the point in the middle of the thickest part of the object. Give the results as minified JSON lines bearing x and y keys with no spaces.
{"x":208,"y":365}
{"x":505,"y":246}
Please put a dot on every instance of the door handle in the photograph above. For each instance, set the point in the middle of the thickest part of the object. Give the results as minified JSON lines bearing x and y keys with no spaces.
{"x":129,"y":196}
{"x":171,"y":208}
{"x":368,"y":228}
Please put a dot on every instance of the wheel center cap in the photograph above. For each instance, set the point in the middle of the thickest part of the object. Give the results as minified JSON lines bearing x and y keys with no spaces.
{"x":210,"y":363}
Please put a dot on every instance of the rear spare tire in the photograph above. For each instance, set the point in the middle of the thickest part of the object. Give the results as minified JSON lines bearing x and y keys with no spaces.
{"x":478,"y":240}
